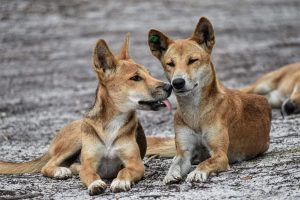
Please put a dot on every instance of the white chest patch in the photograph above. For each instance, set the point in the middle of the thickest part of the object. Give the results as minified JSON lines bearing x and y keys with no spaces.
{"x":110,"y":163}
{"x":112,"y":130}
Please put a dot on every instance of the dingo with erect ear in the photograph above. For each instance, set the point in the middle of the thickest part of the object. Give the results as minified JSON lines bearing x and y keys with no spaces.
{"x":214,"y":126}
{"x":281,"y":87}
{"x":109,"y":140}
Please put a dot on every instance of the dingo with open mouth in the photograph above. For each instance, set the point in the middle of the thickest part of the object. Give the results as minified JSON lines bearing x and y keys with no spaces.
{"x":109,"y":140}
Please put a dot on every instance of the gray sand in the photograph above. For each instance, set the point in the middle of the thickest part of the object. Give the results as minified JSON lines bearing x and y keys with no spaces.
{"x":47,"y":80}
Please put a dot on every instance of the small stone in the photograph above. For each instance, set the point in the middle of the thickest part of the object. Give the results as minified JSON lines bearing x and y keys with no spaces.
{"x":245,"y":178}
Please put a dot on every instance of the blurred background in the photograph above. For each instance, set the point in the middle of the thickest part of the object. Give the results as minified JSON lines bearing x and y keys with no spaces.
{"x":46,"y":76}
{"x":46,"y":46}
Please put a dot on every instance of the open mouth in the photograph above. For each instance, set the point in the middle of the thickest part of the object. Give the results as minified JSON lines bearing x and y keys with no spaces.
{"x":156,"y":105}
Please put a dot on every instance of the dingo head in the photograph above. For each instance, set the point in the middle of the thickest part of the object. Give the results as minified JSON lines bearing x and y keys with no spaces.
{"x":292,"y":104}
{"x":186,"y":61}
{"x":126,"y":84}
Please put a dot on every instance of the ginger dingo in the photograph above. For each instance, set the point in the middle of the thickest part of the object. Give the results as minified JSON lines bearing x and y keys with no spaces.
{"x":109,"y":140}
{"x":281,"y":87}
{"x":214,"y":125}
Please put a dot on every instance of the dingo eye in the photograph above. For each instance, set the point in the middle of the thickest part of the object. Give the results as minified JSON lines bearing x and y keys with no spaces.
{"x":171,"y":64}
{"x":136,"y":78}
{"x":191,"y":61}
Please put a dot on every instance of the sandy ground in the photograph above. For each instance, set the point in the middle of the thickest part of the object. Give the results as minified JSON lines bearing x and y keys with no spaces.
{"x":46,"y":81}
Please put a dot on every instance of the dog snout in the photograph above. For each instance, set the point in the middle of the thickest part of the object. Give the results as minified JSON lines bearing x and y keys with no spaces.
{"x":289,"y":107}
{"x":167,"y":88}
{"x":178,"y":83}
{"x":162,"y":91}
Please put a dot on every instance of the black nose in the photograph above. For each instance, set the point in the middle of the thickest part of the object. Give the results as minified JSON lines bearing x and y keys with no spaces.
{"x":167,"y":88}
{"x":289,"y":107}
{"x":178,"y":83}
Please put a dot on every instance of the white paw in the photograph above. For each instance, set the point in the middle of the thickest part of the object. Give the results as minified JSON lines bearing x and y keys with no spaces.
{"x":120,"y":185}
{"x":172,"y":177}
{"x":62,"y":173}
{"x":197,"y":176}
{"x":97,"y":187}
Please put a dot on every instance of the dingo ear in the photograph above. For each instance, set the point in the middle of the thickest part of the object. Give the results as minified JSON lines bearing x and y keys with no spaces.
{"x":103,"y":59}
{"x":158,"y":43}
{"x":124,"y":53}
{"x":204,"y":34}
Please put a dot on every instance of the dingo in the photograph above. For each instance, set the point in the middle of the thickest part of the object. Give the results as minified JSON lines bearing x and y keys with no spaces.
{"x":213,"y":124}
{"x":281,"y":87}
{"x":109,"y":140}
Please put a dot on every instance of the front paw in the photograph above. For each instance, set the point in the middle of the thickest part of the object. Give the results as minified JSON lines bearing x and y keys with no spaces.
{"x":62,"y":173}
{"x":172,"y":177}
{"x":97,"y":187}
{"x":120,"y":185}
{"x":197,"y":176}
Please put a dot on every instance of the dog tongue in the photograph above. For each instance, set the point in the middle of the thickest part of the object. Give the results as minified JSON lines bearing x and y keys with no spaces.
{"x":168,"y":104}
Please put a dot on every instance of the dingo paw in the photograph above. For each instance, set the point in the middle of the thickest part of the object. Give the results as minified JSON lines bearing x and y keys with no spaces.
{"x":173,"y":177}
{"x":197,"y":176}
{"x":119,"y":185}
{"x":97,"y":187}
{"x":62,"y":173}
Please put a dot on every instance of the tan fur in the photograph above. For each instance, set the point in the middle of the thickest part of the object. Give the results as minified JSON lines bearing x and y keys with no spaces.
{"x":164,"y":147}
{"x":110,"y":140}
{"x":214,"y":126}
{"x":280,"y":87}
{"x":27,"y":167}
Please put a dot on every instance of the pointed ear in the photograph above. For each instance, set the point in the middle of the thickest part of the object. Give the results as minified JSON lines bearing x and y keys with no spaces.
{"x":124,"y":52}
{"x":103,"y":58}
{"x":204,"y":34}
{"x":158,"y":43}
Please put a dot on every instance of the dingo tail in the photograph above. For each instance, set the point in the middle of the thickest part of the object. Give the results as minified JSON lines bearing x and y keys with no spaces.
{"x":26,"y":167}
{"x":162,"y":146}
